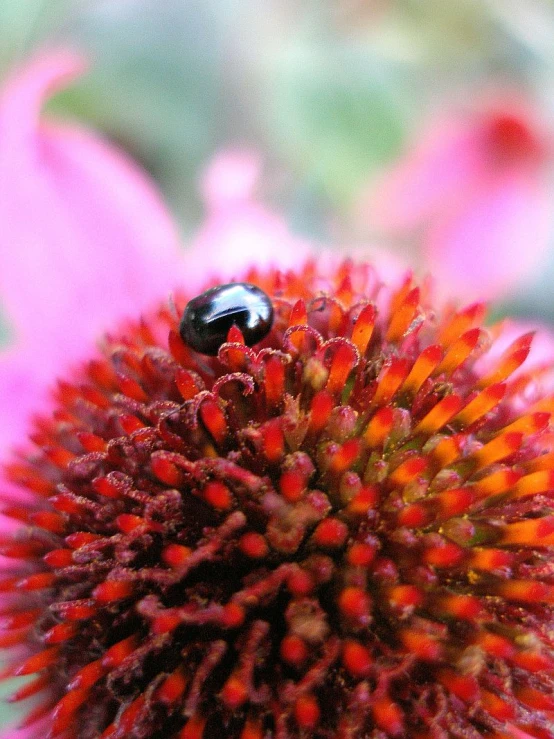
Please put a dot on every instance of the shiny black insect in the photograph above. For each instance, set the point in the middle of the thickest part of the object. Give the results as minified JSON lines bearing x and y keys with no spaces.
{"x":208,"y":317}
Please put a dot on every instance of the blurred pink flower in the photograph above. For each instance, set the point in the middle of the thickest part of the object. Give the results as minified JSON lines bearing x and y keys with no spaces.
{"x":238,"y":229}
{"x":475,"y":188}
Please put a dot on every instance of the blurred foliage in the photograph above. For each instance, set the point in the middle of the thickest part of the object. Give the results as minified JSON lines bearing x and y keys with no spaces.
{"x":342,"y":125}
{"x":328,"y":90}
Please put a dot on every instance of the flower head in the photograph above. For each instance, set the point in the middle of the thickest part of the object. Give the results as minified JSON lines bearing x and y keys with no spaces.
{"x":345,"y":530}
{"x":475,"y":187}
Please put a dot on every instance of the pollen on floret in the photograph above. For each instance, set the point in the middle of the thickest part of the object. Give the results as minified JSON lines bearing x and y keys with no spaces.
{"x":356,"y":658}
{"x":234,"y":692}
{"x":112,"y":590}
{"x":233,"y":615}
{"x":361,"y":554}
{"x":388,"y":716}
{"x":173,"y":687}
{"x":331,"y":533}
{"x":294,"y":649}
{"x":300,"y":583}
{"x":253,"y":545}
{"x":354,"y":603}
{"x":175,"y":555}
{"x":307,"y":712}
{"x":338,"y":527}
{"x":292,"y":484}
{"x":218,"y":495}
{"x":252,"y":730}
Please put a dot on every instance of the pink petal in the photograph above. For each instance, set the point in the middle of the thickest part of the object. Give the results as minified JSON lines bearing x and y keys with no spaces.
{"x":476,"y":191}
{"x":234,"y":240}
{"x":230,"y":178}
{"x":21,"y":393}
{"x":76,"y":213}
{"x":36,"y":730}
{"x":18,"y":734}
{"x":239,"y":231}
{"x":85,"y":238}
{"x":446,"y":162}
{"x":494,"y":238}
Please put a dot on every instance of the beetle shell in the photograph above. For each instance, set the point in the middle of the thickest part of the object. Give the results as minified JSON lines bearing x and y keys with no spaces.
{"x":208,"y":317}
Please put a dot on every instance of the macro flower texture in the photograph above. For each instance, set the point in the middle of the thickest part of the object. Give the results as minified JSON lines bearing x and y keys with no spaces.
{"x":335,"y":525}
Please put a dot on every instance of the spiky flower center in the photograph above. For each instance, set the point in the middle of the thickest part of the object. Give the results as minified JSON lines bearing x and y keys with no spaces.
{"x":345,"y":531}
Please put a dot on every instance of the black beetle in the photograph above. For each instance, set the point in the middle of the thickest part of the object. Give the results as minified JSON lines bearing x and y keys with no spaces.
{"x":208,"y":317}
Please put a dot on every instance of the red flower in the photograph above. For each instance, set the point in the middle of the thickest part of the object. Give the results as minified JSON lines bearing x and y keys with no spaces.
{"x":343,"y":531}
